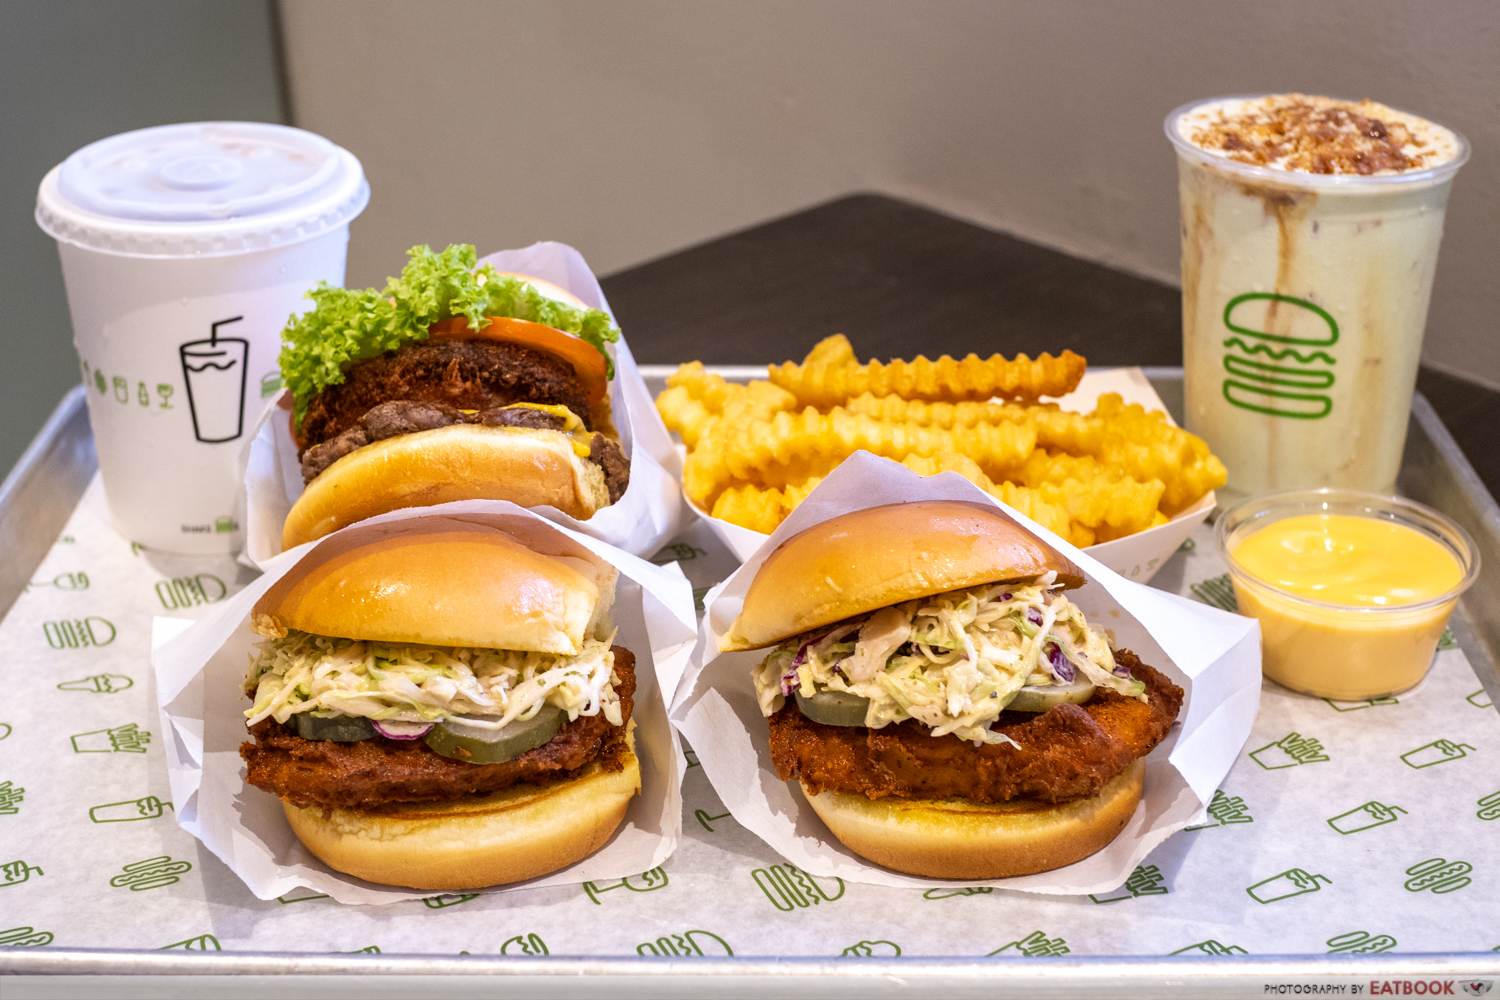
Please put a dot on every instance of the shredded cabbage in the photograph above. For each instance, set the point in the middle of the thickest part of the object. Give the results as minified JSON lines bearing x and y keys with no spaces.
{"x":302,"y":672}
{"x":952,"y":661}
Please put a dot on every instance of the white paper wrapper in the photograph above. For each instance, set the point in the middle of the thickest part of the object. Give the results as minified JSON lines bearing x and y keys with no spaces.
{"x":200,"y":680}
{"x":645,"y":518}
{"x":1135,"y":557}
{"x":1214,"y":656}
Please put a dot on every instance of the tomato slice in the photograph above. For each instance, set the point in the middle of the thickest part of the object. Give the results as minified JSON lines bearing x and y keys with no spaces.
{"x":586,"y":360}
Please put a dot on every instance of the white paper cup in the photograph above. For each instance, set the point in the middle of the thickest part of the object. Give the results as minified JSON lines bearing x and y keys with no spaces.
{"x":184,"y":249}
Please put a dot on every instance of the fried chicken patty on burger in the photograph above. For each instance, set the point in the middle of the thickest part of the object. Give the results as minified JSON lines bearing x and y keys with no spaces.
{"x":440,"y":705}
{"x":453,"y":382}
{"x":947,"y":710}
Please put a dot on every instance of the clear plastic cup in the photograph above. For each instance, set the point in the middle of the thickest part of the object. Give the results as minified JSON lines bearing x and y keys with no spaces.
{"x":184,"y":249}
{"x":1334,"y":650}
{"x":1304,"y":302}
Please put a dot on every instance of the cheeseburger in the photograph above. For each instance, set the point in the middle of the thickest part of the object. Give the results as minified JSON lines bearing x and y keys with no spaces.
{"x":450,"y":383}
{"x":946,"y":708}
{"x":443,"y":708}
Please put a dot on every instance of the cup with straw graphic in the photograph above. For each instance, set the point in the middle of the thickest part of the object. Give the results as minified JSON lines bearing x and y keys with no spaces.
{"x":214,"y":372}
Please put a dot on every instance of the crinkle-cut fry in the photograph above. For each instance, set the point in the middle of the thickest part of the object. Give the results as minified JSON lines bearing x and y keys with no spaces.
{"x":789,"y":446}
{"x":1094,"y":494}
{"x":751,"y":506}
{"x":684,"y":416}
{"x":834,"y":350}
{"x":947,"y":378}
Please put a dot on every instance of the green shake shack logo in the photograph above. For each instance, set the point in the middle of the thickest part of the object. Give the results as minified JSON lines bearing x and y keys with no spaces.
{"x":790,"y":888}
{"x":1286,"y":373}
{"x":190,"y":591}
{"x":79,"y":633}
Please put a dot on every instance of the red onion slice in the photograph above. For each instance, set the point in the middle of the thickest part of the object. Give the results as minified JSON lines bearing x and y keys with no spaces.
{"x":402,"y":730}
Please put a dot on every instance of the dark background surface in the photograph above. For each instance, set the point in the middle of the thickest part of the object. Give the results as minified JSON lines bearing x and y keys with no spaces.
{"x":900,"y":279}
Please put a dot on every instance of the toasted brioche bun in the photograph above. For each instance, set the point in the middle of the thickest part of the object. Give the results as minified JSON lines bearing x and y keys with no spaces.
{"x":529,"y":467}
{"x":881,"y":556}
{"x":521,"y":833}
{"x":953,"y":838}
{"x":460,"y":584}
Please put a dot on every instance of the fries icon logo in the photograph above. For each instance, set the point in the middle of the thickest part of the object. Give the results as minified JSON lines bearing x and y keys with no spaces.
{"x":16,"y":872}
{"x":790,"y":888}
{"x":1438,"y":875}
{"x":1480,"y":699}
{"x":646,"y":881}
{"x":79,"y":633}
{"x":1034,"y":945}
{"x":98,"y":684}
{"x":203,"y":942}
{"x":444,"y":900}
{"x":1360,"y":943}
{"x":1291,"y":750}
{"x":1279,"y":374}
{"x":707,"y":819}
{"x":1285,"y":885}
{"x":972,"y":890}
{"x":688,"y":944}
{"x":10,"y":798}
{"x":1489,"y":806}
{"x":1210,"y":947}
{"x":1225,"y":810}
{"x":151,"y":873}
{"x":190,"y":591}
{"x":1434,"y":753}
{"x":524,"y":944}
{"x":1145,"y":880}
{"x":129,"y":738}
{"x":1216,"y":592}
{"x":872,"y":949}
{"x":24,"y":937}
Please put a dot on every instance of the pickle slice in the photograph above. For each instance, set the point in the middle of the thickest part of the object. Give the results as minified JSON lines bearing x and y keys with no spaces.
{"x":474,"y":745}
{"x":1040,"y":698}
{"x":335,"y":728}
{"x":835,"y":708}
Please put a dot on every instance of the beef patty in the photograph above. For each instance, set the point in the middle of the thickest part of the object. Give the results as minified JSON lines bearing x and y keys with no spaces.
{"x":470,"y":374}
{"x":404,"y":416}
{"x":1067,"y":752}
{"x":378,"y":772}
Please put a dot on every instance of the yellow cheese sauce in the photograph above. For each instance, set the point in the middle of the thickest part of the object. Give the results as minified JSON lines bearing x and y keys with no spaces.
{"x":1334,"y":594}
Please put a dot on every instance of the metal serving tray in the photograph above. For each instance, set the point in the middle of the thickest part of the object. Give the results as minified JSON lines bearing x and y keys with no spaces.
{"x":38,"y":496}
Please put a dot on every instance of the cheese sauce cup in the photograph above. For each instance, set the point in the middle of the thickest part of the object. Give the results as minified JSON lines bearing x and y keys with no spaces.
{"x":1352,"y":590}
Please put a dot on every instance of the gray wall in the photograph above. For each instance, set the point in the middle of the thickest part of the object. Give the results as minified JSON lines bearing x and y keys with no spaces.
{"x":72,"y":72}
{"x":631,"y":129}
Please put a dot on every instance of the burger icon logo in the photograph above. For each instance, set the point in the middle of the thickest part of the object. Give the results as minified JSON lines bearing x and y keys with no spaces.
{"x":1284,"y":374}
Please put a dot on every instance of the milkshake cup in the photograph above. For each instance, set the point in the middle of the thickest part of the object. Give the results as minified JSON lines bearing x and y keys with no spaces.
{"x":1310,"y":232}
{"x":185,"y":248}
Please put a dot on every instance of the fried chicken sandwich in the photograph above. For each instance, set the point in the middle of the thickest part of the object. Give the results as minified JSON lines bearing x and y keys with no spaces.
{"x":948,"y":711}
{"x":443,"y":708}
{"x":453,"y":382}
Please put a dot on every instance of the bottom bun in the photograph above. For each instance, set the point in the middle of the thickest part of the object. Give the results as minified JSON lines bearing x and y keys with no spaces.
{"x":953,"y":838}
{"x":520,"y":833}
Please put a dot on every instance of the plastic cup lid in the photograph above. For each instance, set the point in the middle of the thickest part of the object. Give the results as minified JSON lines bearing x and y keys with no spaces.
{"x":201,"y":189}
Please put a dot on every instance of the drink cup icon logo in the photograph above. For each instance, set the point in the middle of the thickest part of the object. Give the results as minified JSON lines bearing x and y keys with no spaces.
{"x":971,"y":890}
{"x":1210,"y":947}
{"x":524,"y":944}
{"x":1365,"y":817}
{"x":1434,"y":753}
{"x":11,"y":797}
{"x":151,"y":873}
{"x":129,"y":738}
{"x":1360,"y":943}
{"x":129,"y":810}
{"x":1489,"y":806}
{"x":1280,"y":374}
{"x":24,"y":937}
{"x":443,"y":900}
{"x":1291,"y":750}
{"x":214,"y":372}
{"x":203,"y":942}
{"x":872,"y":949}
{"x":1480,"y":699}
{"x":790,"y":888}
{"x":79,"y":633}
{"x":1034,"y":945}
{"x":688,"y":944}
{"x":98,"y":684}
{"x":1285,"y":885}
{"x":190,"y":591}
{"x":707,"y":819}
{"x":1438,"y":875}
{"x":16,"y":872}
{"x":646,"y":881}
